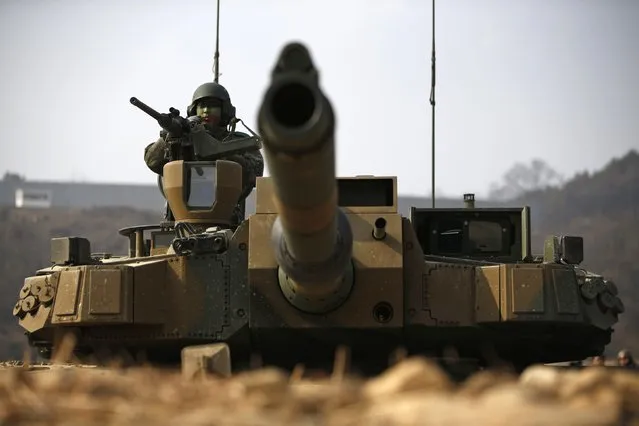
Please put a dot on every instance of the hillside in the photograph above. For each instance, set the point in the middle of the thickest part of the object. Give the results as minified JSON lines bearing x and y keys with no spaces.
{"x":602,"y":207}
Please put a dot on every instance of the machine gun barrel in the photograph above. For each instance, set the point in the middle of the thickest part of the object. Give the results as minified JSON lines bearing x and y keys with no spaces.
{"x":312,"y":237}
{"x":144,"y":107}
{"x":172,"y":123}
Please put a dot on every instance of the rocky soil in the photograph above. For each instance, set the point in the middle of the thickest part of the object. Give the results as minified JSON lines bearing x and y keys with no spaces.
{"x":413,"y":392}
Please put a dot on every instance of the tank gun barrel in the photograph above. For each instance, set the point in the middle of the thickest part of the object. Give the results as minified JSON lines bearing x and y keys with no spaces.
{"x":312,"y":237}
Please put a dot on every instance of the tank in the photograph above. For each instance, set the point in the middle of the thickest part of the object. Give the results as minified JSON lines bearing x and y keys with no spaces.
{"x":324,"y":262}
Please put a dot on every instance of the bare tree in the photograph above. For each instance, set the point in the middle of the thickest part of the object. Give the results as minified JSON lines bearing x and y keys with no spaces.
{"x":522,"y":178}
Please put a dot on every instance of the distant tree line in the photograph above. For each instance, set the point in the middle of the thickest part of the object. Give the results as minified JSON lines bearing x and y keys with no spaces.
{"x":522,"y":178}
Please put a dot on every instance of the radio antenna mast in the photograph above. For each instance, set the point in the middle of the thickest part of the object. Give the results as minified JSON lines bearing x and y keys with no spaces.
{"x":216,"y":58}
{"x":432,"y":103}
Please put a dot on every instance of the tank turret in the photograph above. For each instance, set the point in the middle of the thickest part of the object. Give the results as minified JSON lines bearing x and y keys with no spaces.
{"x":311,"y":237}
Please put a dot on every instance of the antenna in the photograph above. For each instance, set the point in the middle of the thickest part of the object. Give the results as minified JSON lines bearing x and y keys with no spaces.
{"x":216,"y":58}
{"x":432,"y":103}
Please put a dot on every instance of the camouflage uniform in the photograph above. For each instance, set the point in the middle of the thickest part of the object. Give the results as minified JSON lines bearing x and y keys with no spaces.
{"x":252,"y":162}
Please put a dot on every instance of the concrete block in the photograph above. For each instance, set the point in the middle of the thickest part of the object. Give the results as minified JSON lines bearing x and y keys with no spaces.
{"x":206,"y":359}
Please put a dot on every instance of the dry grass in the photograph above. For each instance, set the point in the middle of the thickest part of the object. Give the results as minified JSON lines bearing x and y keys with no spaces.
{"x":414,"y":392}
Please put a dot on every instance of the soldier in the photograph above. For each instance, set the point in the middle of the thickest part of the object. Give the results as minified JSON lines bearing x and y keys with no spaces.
{"x":212,"y":104}
{"x":625,"y":359}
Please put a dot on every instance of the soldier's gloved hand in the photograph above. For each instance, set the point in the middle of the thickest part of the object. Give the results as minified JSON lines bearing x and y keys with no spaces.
{"x":171,"y":140}
{"x":194,"y":120}
{"x":166,"y":138}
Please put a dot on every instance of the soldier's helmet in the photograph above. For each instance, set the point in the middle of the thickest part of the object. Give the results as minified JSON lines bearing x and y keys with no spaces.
{"x":625,"y":358}
{"x":215,"y":91}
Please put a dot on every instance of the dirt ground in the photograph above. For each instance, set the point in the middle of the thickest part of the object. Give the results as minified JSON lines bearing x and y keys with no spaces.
{"x":413,"y":392}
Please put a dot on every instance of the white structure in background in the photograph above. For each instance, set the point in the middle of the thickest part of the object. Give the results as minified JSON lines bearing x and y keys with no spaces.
{"x":33,"y":198}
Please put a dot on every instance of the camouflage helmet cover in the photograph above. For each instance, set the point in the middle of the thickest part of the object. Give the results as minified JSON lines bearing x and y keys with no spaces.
{"x":216,"y":91}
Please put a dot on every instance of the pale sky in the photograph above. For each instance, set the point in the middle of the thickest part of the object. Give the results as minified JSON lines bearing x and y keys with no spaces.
{"x":555,"y":79}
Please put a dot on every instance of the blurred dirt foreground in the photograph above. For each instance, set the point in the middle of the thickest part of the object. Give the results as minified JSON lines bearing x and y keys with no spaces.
{"x":413,"y":392}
